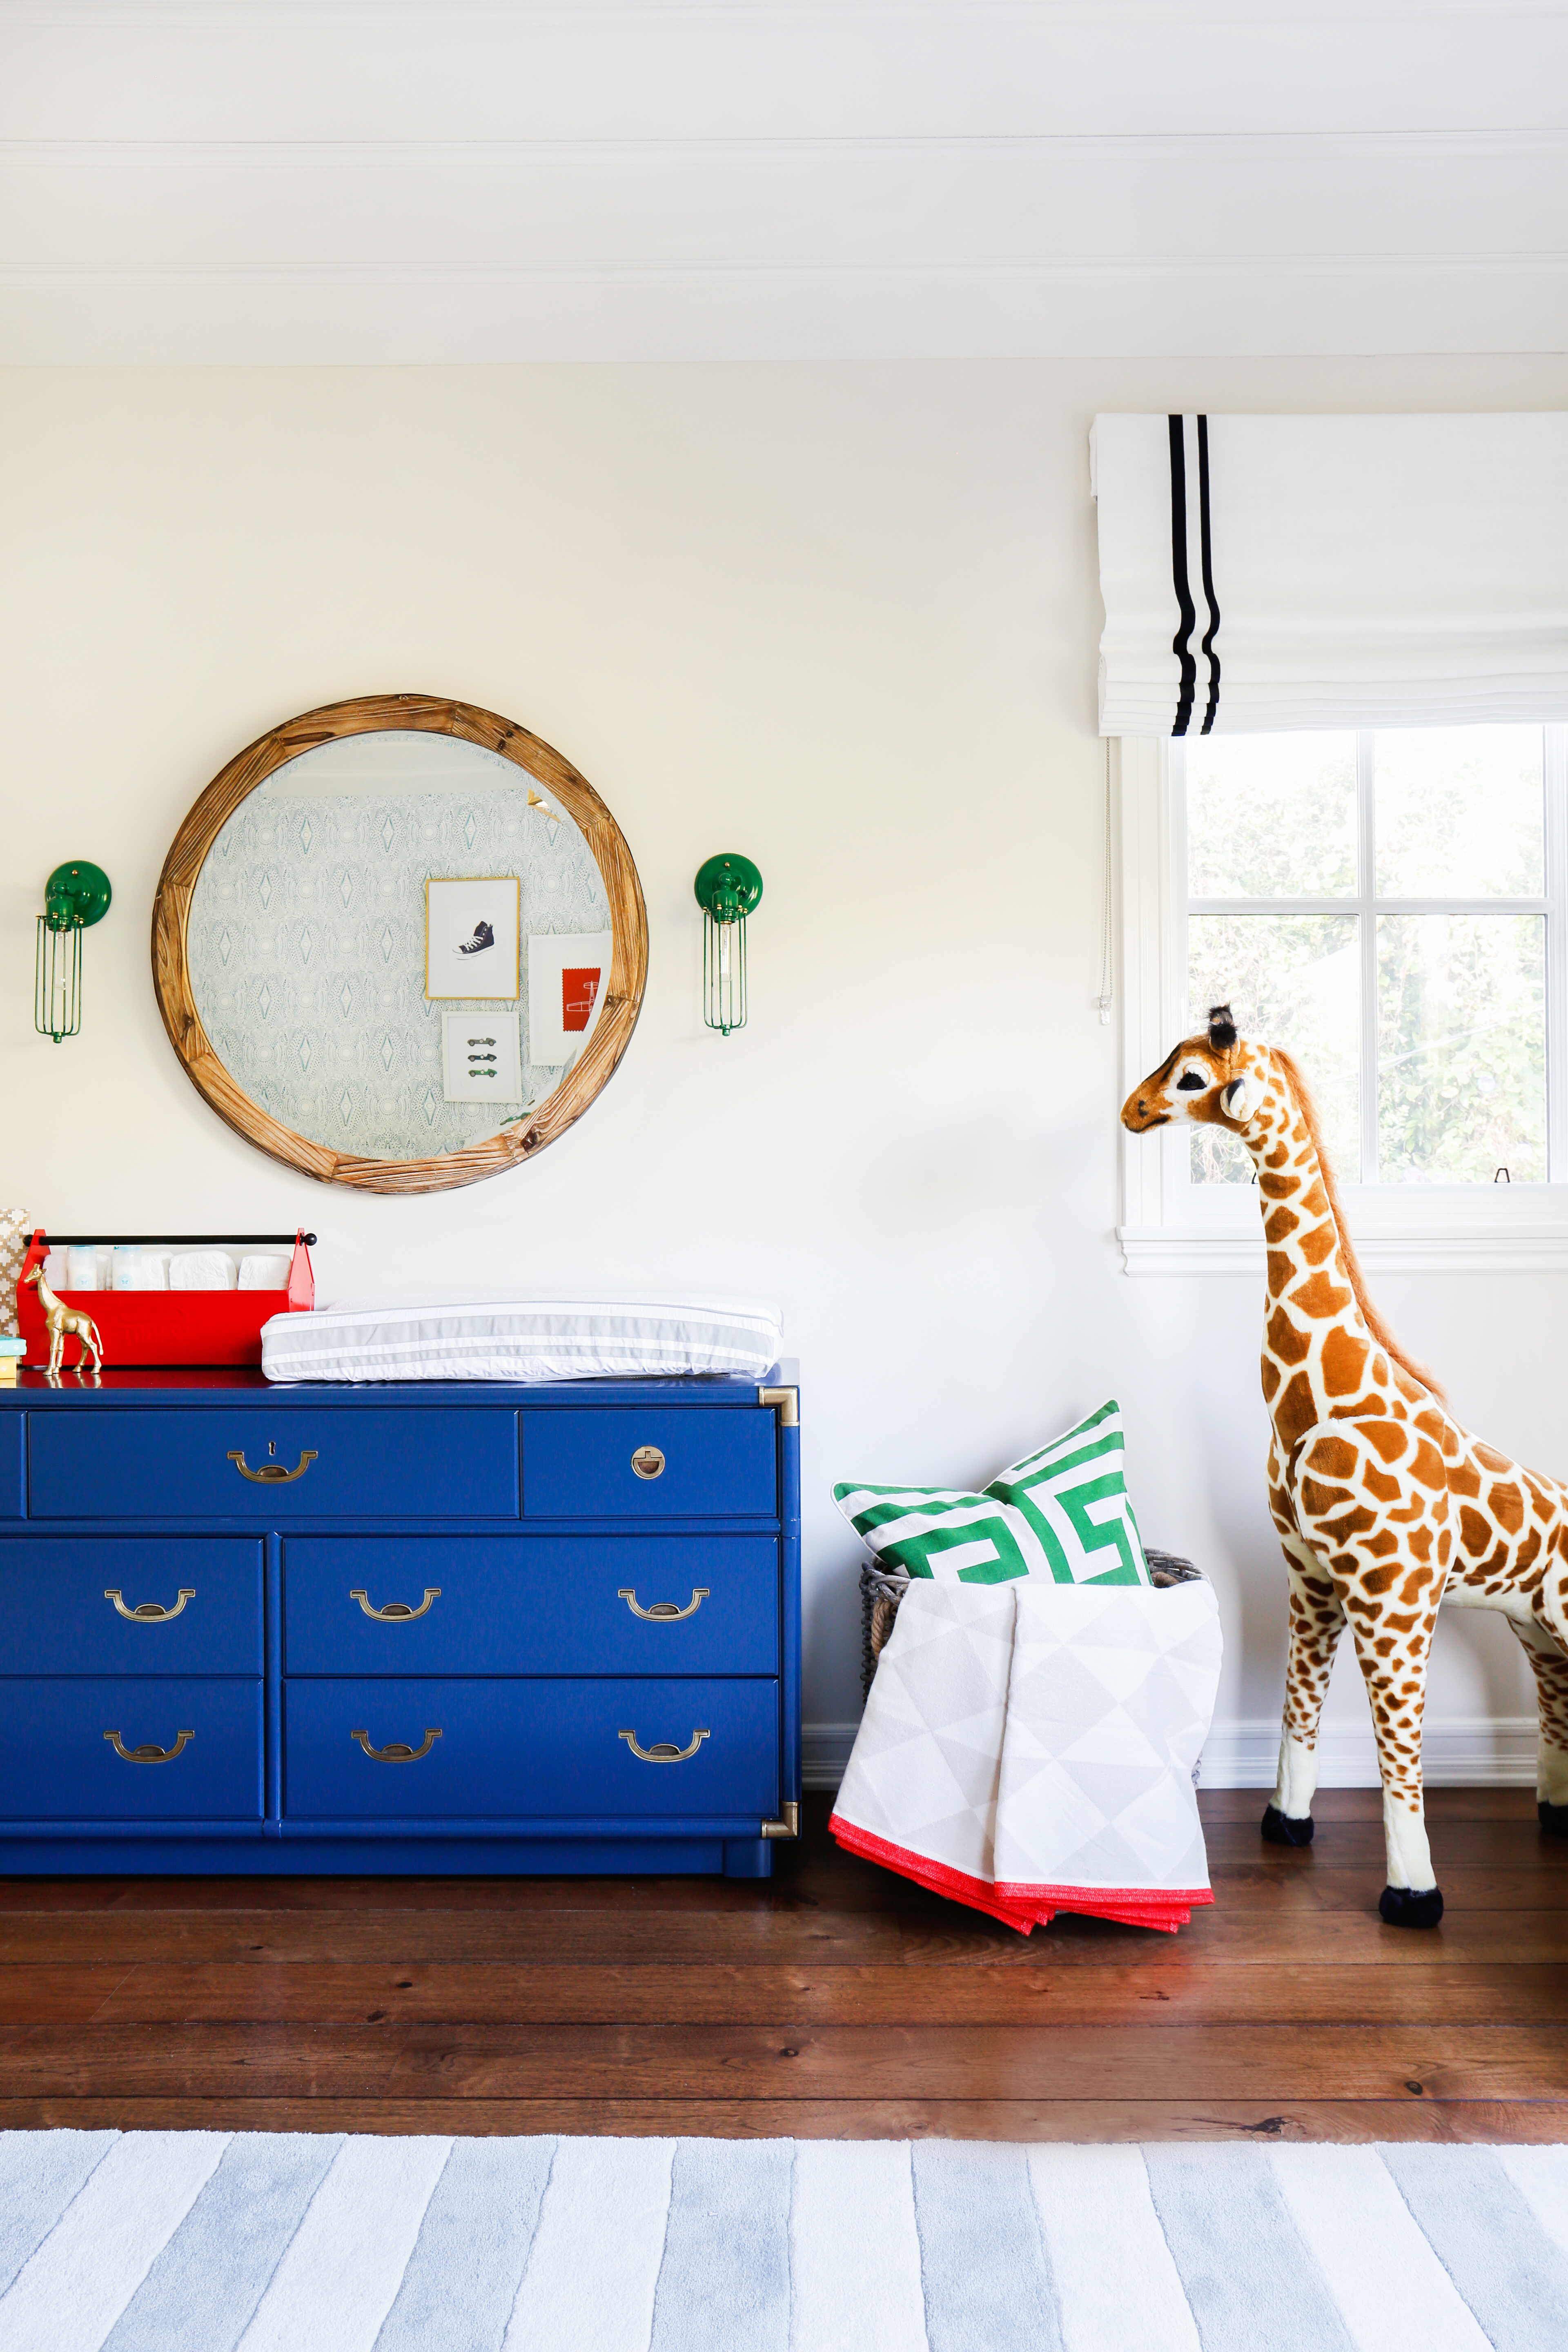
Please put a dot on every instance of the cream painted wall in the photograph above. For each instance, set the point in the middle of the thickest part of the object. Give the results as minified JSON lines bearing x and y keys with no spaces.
{"x":843,"y":618}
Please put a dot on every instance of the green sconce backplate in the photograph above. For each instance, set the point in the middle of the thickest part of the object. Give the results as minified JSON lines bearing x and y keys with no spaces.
{"x":76,"y":893}
{"x":728,"y":886}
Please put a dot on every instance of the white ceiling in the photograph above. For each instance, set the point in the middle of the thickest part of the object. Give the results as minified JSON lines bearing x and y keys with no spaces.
{"x":749,"y":180}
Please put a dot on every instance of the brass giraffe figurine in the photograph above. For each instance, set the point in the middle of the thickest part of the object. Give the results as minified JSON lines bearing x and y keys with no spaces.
{"x":1385,"y":1506}
{"x":59,"y":1319}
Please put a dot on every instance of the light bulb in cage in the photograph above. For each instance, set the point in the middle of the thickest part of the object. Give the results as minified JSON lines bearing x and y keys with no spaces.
{"x":729,"y":889}
{"x":76,"y":896}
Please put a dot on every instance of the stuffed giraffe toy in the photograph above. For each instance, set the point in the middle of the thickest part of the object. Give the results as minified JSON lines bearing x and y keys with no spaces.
{"x":1385,"y":1506}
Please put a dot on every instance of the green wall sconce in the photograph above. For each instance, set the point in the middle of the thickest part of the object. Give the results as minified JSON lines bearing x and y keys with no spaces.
{"x":76,"y":896}
{"x":729,"y":889}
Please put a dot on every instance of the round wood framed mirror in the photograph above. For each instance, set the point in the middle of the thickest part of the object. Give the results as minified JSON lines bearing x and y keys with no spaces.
{"x":399,"y":943}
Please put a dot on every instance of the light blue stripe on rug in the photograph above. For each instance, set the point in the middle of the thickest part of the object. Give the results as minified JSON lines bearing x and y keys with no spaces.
{"x":201,"y":2291}
{"x":40,"y":2172}
{"x":723,"y":2284}
{"x":472,"y":2248}
{"x":1488,"y":2239}
{"x":984,"y":2266}
{"x":1248,"y":2277}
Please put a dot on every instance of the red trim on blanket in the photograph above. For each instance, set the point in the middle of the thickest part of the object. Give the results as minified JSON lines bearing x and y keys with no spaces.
{"x":977,"y":1892}
{"x":1023,"y":1906}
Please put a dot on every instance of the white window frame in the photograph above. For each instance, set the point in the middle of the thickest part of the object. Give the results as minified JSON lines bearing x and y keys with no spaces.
{"x":1173,"y":1226}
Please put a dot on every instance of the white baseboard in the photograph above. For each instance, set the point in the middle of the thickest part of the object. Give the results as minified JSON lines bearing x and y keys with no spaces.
{"x":1242,"y":1752}
{"x":824,"y":1753}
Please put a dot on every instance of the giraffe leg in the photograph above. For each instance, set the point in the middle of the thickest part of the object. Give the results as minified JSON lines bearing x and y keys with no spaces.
{"x":1551,"y":1664}
{"x":1317,"y":1621}
{"x":1394,"y":1663}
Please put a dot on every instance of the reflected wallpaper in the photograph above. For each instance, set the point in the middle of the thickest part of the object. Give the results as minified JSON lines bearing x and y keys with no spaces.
{"x":307,"y":950}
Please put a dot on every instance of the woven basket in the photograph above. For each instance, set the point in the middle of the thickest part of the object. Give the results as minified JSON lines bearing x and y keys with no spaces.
{"x":882,"y":1588}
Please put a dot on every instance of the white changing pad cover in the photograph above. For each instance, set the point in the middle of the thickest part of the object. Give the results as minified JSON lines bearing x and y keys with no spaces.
{"x":524,"y":1339}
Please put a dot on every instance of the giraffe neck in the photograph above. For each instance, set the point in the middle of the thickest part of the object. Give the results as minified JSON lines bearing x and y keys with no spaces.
{"x":1319,"y":1356}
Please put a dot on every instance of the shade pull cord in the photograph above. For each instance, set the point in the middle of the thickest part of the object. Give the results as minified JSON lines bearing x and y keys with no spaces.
{"x":1104,"y":998}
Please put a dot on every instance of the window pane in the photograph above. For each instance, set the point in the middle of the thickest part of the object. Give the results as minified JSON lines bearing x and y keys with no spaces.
{"x":1459,"y":812}
{"x":1271,"y":816}
{"x":1291,"y":980}
{"x":1461,"y":1077}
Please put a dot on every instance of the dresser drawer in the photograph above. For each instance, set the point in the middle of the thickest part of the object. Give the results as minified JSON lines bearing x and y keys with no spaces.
{"x":430,"y":1463}
{"x":547,"y":1748}
{"x":531,"y":1605}
{"x":70,"y":1605}
{"x":56,"y":1762}
{"x":701,"y":1463}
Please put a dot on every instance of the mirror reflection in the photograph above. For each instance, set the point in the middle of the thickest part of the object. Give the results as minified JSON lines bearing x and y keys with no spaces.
{"x":399,"y":944}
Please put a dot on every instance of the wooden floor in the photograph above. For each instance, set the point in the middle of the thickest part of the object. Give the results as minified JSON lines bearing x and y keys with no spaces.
{"x":837,"y":2000}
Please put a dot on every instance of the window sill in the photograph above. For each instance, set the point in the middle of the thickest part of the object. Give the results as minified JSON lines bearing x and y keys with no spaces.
{"x":1482,"y":1245}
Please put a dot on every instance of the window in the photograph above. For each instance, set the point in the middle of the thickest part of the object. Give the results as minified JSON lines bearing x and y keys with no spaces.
{"x":1387,"y":906}
{"x":1393,"y":907}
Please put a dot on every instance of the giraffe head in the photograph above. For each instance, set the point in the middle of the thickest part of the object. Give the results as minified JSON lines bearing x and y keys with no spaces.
{"x":1216,"y":1078}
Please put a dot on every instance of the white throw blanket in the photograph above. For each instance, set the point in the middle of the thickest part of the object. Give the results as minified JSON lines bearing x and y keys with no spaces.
{"x":1028,"y":1748}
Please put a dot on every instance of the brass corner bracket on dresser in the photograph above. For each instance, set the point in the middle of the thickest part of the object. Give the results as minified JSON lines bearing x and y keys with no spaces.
{"x":787,"y":1825}
{"x":788,"y":1403}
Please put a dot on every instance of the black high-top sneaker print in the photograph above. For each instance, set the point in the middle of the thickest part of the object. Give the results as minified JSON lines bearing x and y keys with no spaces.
{"x":484,"y":937}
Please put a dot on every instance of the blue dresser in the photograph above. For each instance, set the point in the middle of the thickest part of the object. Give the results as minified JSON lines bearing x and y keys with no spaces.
{"x":399,"y":1628}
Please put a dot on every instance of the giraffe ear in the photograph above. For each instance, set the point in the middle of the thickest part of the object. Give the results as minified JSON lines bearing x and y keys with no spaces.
{"x":1241,"y":1098}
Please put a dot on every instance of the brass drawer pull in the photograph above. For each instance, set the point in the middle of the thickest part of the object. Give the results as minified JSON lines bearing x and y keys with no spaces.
{"x":150,"y":1753}
{"x":663,"y":1613}
{"x":663,"y":1752}
{"x":397,"y":1612}
{"x":271,"y":1473}
{"x":647,"y":1461}
{"x":397,"y":1751}
{"x":148,"y":1612}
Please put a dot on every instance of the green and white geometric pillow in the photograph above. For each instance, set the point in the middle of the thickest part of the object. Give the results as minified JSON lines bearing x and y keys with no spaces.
{"x":1063,"y":1512}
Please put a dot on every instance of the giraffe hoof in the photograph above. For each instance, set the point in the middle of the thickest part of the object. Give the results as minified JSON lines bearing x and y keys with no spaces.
{"x":1554,"y":1819}
{"x":1280,"y":1829}
{"x":1407,"y":1907}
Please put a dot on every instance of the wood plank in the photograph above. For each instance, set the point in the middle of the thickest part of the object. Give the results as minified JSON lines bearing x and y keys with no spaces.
{"x":1514,"y":1845}
{"x":1282,"y":1936}
{"x":1473,"y":1805}
{"x":1502,"y":2063}
{"x":1104,"y":2120}
{"x":1165,"y":1994}
{"x":816,"y":1883}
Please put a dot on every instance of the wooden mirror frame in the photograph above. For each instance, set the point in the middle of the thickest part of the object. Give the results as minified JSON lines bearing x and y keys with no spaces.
{"x":370,"y":714}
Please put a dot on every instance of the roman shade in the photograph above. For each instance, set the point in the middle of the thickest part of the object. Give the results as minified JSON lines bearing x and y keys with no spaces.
{"x":1267,"y":574}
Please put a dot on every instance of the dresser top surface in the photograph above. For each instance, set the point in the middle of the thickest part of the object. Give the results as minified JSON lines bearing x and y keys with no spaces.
{"x":199,"y":1384}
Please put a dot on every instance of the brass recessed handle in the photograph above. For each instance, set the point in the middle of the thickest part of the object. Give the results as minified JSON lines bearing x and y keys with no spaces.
{"x":647,"y":1461}
{"x":397,"y":1612}
{"x":148,"y":1612}
{"x":397,"y":1751}
{"x":663,"y":1613}
{"x":272,"y":1473}
{"x":663,"y":1752}
{"x":150,"y":1752}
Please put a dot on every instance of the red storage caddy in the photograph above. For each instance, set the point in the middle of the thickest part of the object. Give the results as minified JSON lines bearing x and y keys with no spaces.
{"x":166,"y":1326}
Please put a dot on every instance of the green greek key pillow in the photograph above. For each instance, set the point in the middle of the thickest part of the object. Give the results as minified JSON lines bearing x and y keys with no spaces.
{"x":1064,"y":1513}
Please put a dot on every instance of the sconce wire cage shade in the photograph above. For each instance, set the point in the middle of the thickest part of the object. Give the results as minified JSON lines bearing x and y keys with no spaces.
{"x":76,"y":896}
{"x":728,"y":890}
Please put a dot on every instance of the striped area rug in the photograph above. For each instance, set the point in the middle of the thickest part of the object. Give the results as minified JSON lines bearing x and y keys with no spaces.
{"x":201,"y":2242}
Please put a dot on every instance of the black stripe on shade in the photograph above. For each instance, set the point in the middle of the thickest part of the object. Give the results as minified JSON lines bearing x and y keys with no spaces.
{"x":1207,"y":553}
{"x":1181,"y":643}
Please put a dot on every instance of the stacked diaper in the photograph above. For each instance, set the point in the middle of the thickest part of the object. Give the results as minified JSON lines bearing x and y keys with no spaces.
{"x":130,"y":1266}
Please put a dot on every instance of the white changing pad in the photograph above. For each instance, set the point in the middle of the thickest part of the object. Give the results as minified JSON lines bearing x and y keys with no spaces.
{"x":524,"y":1339}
